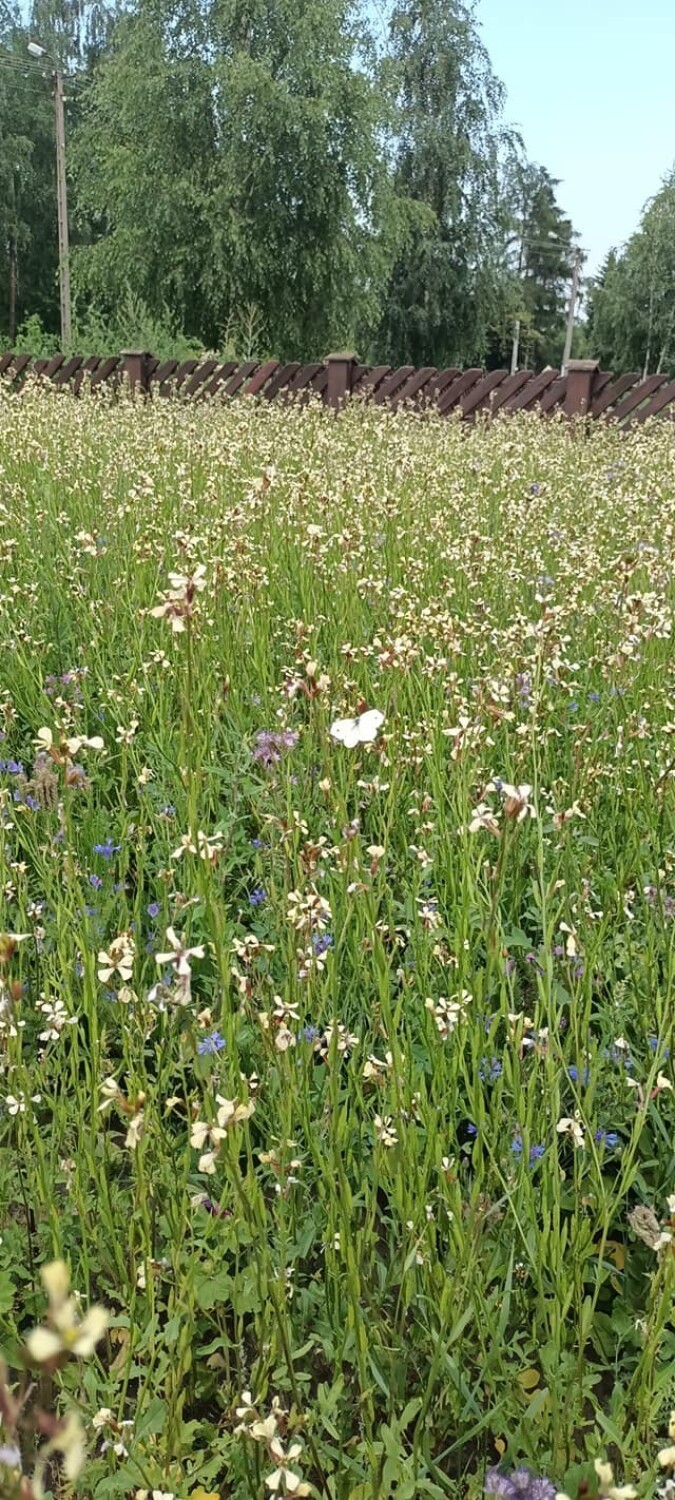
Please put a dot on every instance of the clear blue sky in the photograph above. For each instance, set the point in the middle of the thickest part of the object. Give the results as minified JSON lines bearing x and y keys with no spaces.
{"x":591,"y":86}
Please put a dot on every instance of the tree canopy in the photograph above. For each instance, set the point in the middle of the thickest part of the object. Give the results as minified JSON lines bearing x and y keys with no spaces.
{"x":276,"y":176}
{"x":632,"y":300}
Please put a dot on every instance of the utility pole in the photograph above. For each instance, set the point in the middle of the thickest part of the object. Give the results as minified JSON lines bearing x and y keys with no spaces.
{"x":37,"y":51}
{"x":571,"y":310}
{"x":62,"y":208}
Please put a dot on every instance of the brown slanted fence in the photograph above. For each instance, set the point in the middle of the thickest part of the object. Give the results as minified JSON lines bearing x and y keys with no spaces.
{"x":585,"y":390}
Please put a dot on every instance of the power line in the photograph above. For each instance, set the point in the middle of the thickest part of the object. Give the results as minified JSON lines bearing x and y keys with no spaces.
{"x":20,"y":70}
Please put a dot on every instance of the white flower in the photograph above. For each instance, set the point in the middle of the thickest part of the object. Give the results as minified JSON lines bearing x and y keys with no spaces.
{"x":385,"y":1131}
{"x":515,"y":800}
{"x":16,"y":1103}
{"x":56,"y":1017}
{"x":102,"y":1418}
{"x":573,"y":1128}
{"x":179,"y":957}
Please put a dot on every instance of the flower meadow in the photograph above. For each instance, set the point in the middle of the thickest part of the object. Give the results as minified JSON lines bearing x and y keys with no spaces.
{"x":337,"y":782}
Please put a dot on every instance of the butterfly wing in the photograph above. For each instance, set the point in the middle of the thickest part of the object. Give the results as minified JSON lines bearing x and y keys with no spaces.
{"x":346,"y":732}
{"x":368,"y":725}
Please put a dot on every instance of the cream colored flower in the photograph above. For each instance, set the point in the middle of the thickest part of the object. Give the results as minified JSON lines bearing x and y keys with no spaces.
{"x":385,"y":1131}
{"x":483,"y":817}
{"x":232,"y":1113}
{"x":606,"y":1486}
{"x":283,"y":1481}
{"x":67,"y":1334}
{"x":179,"y":957}
{"x":110,"y":1090}
{"x":135,"y":1131}
{"x":69,"y":1443}
{"x":119,"y":959}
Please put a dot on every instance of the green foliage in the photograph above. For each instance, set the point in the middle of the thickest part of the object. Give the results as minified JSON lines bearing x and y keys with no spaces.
{"x":264,"y":155}
{"x":31,"y":338}
{"x":541,"y":256}
{"x":446,"y":138}
{"x":28,"y":252}
{"x":131,"y":325}
{"x":401,"y":1253}
{"x":632,"y":303}
{"x":231,"y":160}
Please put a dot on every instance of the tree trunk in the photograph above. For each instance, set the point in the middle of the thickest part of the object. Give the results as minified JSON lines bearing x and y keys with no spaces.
{"x":12,"y":289}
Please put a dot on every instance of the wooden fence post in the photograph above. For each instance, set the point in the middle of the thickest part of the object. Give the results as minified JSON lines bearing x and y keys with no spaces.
{"x":340,"y":379}
{"x":135,"y":367}
{"x":580,"y":381}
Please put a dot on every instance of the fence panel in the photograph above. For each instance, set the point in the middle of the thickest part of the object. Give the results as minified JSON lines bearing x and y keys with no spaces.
{"x":584,"y":391}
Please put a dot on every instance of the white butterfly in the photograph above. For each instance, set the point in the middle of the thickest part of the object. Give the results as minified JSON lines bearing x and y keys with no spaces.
{"x":360,"y":731}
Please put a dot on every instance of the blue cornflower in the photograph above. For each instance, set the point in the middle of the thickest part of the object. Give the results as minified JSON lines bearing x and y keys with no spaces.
{"x":608,"y":1138}
{"x":31,"y":802}
{"x":534,"y":1154}
{"x":153,"y":909}
{"x":490,"y":1069}
{"x":107,"y":849}
{"x":14,"y":767}
{"x":594,"y":697}
{"x":96,"y":882}
{"x":258,"y":896}
{"x":211,"y":1043}
{"x":256,"y":843}
{"x":321,"y":942}
{"x":572,"y":708}
{"x":471,"y":1129}
{"x":308,"y":1034}
{"x":584,"y":1077}
{"x":656,"y":1045}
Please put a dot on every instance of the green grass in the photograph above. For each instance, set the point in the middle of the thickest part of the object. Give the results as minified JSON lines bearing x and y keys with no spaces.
{"x":400,"y":1251}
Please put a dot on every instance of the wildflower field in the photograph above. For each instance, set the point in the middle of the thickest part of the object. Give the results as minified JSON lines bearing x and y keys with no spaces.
{"x":337,"y":974}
